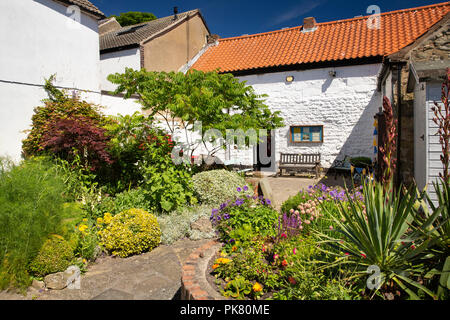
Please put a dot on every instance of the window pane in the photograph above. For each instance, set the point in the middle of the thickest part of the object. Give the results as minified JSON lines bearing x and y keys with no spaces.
{"x":297,"y":134}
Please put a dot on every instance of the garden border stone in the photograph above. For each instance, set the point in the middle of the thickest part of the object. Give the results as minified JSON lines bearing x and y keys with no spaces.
{"x":194,"y":285}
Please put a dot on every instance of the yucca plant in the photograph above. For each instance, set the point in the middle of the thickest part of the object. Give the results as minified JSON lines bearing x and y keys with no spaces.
{"x":377,"y":233}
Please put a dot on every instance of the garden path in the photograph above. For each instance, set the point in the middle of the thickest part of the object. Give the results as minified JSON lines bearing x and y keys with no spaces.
{"x":155,"y":275}
{"x":285,"y":187}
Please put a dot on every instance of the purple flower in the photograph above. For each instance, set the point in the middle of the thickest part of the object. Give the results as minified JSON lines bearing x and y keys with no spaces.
{"x":223,"y":206}
{"x":268,"y":202}
{"x":226,"y":216}
{"x":239,"y":189}
{"x":245,"y":188}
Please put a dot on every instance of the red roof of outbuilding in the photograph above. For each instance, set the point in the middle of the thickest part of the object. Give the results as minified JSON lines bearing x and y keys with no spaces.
{"x":332,"y":41}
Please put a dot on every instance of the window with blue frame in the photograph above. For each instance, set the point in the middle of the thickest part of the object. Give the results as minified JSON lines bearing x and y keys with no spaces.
{"x":300,"y":134}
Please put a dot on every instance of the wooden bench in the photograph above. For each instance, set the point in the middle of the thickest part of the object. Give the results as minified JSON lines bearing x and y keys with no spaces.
{"x":299,"y":162}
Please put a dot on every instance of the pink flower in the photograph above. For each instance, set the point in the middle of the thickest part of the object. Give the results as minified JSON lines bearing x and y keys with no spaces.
{"x":275,"y":256}
{"x":294,"y":251}
{"x":283,"y":235}
{"x":363,"y":255}
{"x":347,"y":253}
{"x":331,"y":227}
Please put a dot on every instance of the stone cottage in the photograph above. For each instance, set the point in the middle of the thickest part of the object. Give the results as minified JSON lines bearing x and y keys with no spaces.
{"x":323,"y":77}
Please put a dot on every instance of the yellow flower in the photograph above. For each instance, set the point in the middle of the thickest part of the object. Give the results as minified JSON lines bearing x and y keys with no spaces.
{"x":234,"y":248}
{"x":84,"y":261}
{"x":84,"y":220}
{"x":223,"y":254}
{"x":99,"y":220}
{"x":257,"y":287}
{"x":222,"y":261}
{"x":215,"y":266}
{"x":82,"y":227}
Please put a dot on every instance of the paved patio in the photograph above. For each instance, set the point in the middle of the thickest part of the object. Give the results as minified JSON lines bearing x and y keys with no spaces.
{"x":154,"y":275}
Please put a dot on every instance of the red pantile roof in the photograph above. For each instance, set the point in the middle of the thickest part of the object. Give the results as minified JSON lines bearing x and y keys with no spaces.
{"x":332,"y":41}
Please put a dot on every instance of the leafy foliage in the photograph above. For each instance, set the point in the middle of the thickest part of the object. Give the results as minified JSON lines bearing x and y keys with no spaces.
{"x":130,"y":232}
{"x":133,"y":17}
{"x":31,"y":198}
{"x":247,"y":212}
{"x":166,"y":186}
{"x":58,"y":106}
{"x":218,"y":101}
{"x":217,"y":186}
{"x":380,"y":235}
{"x":69,"y":137}
{"x":135,"y":141}
{"x":55,"y":255}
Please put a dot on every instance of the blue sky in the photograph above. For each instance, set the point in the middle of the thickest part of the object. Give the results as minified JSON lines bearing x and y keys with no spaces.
{"x":229,"y":18}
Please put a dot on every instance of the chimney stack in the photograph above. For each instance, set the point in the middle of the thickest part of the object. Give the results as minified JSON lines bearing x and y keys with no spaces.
{"x":175,"y":13}
{"x":309,"y":24}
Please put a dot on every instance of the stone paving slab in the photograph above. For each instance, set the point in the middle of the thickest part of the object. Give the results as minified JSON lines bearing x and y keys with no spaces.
{"x":154,"y":275}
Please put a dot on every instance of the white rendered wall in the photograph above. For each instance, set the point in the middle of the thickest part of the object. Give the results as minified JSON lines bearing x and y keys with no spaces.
{"x":116,"y":62}
{"x":345,"y":105}
{"x":39,"y":39}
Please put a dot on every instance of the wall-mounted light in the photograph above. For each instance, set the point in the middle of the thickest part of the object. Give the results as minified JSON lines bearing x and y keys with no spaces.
{"x":332,"y":73}
{"x":289,"y":79}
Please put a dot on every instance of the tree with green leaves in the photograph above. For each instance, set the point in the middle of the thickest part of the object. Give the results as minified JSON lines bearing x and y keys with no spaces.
{"x":220,"y":102}
{"x":133,"y":17}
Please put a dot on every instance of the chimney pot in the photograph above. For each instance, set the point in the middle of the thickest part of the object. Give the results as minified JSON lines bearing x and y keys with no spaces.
{"x":309,"y":23}
{"x":175,"y":12}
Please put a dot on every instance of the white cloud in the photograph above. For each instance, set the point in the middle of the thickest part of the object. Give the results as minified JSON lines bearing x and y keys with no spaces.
{"x":299,"y":10}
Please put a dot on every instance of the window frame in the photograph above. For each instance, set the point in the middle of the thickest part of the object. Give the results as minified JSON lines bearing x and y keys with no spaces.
{"x":291,"y":133}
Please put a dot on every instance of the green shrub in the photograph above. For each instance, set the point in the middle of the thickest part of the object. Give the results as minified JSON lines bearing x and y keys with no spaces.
{"x":57,"y":107}
{"x":31,"y":202}
{"x":130,"y":232}
{"x":251,"y":213}
{"x":55,"y":255}
{"x":177,"y":224}
{"x":168,"y":187}
{"x":217,"y":186}
{"x":125,"y":200}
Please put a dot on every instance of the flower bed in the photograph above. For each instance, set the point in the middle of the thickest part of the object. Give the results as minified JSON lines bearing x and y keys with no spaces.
{"x":324,"y":243}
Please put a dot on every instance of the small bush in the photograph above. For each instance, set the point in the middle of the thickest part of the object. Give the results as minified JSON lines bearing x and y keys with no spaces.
{"x":177,"y":224}
{"x":134,"y":198}
{"x":31,"y":202}
{"x":244,"y":217}
{"x":132,"y":231}
{"x":217,"y":186}
{"x":55,"y":256}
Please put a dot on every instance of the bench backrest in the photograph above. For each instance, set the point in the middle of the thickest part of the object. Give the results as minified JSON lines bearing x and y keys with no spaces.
{"x":295,"y":158}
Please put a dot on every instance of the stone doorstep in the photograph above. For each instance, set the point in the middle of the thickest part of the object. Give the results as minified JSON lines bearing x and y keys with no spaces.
{"x":194,"y":285}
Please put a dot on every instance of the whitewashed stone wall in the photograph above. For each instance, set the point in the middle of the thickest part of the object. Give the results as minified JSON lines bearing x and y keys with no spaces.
{"x":344,"y":105}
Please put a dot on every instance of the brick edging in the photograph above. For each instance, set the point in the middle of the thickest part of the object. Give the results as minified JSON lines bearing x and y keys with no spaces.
{"x":190,"y":274}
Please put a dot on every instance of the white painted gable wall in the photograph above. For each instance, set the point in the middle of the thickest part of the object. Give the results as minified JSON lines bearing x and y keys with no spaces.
{"x":345,"y":105}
